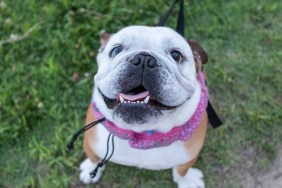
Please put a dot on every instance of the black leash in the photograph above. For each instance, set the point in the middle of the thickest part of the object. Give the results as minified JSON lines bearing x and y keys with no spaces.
{"x":180,"y":28}
{"x":106,"y":158}
{"x":74,"y":137}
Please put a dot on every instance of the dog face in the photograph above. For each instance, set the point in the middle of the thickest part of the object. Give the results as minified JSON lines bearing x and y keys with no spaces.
{"x":144,"y":75}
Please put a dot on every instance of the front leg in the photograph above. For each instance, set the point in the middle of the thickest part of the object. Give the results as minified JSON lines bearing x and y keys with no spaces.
{"x":86,"y":167}
{"x":89,"y":164}
{"x":187,"y":177}
{"x":184,"y":175}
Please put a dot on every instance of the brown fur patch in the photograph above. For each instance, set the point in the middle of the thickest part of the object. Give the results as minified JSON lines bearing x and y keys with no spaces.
{"x":194,"y":145}
{"x":89,"y":137}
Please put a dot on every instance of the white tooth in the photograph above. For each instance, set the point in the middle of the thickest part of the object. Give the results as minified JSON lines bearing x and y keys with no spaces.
{"x":138,"y":101}
{"x":121,"y":99}
{"x":142,"y":102}
{"x":147,"y":99}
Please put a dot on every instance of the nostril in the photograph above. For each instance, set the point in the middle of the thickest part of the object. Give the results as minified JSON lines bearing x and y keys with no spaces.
{"x":151,"y":63}
{"x":136,"y":61}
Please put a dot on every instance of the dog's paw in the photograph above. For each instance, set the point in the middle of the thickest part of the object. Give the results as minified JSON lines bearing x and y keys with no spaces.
{"x":85,"y":168}
{"x":192,"y":179}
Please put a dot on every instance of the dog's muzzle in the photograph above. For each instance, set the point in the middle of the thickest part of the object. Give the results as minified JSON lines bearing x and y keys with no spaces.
{"x":141,"y":87}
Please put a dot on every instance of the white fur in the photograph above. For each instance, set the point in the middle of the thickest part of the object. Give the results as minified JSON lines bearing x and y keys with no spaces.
{"x":153,"y":159}
{"x":158,"y":41}
{"x":85,"y":168}
{"x":192,"y":179}
{"x":153,"y":39}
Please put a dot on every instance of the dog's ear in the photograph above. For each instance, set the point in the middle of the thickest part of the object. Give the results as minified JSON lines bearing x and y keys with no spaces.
{"x":198,"y":50}
{"x":104,"y":38}
{"x":200,"y":56}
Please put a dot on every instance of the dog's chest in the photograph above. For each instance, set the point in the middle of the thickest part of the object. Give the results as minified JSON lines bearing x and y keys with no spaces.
{"x":154,"y":159}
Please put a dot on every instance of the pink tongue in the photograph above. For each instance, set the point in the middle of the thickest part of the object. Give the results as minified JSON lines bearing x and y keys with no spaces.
{"x":139,"y":96}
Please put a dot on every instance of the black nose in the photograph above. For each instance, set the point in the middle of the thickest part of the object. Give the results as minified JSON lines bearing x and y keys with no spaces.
{"x":145,"y":59}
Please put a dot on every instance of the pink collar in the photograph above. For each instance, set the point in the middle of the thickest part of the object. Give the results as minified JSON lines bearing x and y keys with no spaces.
{"x":152,"y":138}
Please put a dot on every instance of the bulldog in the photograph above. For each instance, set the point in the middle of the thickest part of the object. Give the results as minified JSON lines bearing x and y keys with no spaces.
{"x":151,"y":90}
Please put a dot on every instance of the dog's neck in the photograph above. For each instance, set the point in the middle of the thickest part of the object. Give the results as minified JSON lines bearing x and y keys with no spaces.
{"x":152,"y":138}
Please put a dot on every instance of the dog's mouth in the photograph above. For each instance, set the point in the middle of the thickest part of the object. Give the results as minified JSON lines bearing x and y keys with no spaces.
{"x":137,"y":97}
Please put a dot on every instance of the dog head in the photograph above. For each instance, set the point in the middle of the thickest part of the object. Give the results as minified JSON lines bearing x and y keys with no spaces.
{"x":146,"y":76}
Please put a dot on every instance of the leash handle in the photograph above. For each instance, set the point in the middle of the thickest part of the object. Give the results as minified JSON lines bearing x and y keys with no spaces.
{"x":180,"y":27}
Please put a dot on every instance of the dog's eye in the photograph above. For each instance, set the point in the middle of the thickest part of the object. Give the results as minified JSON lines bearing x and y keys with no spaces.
{"x":115,"y":51}
{"x":177,"y":56}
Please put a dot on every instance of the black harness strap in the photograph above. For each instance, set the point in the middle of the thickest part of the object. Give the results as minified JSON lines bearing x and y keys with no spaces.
{"x":180,"y":28}
{"x":213,"y":117}
{"x":165,"y":17}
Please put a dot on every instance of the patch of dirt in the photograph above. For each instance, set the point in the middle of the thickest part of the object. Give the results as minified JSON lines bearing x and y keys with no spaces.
{"x":268,"y":179}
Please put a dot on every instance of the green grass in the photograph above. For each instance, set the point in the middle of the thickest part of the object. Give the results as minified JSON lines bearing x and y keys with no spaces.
{"x":46,"y":82}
